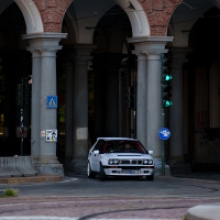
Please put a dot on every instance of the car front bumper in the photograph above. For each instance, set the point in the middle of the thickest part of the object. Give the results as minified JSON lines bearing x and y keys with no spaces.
{"x":131,"y":171}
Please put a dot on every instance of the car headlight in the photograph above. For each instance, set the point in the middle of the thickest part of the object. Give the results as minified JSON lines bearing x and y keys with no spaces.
{"x":147,"y":162}
{"x":113,"y":161}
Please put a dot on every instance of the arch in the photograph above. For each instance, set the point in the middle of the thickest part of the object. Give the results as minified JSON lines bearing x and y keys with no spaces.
{"x":4,"y":5}
{"x":52,"y":13}
{"x":31,"y":15}
{"x":181,"y":30}
{"x":216,"y":3}
{"x":137,"y":17}
{"x":149,"y":18}
{"x":159,"y":14}
{"x":73,"y":34}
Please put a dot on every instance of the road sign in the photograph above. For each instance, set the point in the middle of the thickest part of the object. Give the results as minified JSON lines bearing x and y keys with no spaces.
{"x":51,"y":135}
{"x":52,"y":102}
{"x":164,"y":134}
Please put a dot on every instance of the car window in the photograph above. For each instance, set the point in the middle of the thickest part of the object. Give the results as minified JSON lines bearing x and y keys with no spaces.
{"x":123,"y":147}
{"x":99,"y":146}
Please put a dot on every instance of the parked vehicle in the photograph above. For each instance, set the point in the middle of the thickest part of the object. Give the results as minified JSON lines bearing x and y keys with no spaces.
{"x":111,"y":156}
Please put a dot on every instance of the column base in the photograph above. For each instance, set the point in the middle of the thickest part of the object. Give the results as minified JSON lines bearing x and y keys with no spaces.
{"x":48,"y":165}
{"x":179,"y":167}
{"x":158,"y":168}
{"x":50,"y":169}
{"x":176,"y":160}
{"x":76,"y":166}
{"x":67,"y":160}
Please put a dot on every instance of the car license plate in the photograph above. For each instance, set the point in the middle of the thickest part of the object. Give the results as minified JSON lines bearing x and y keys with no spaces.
{"x":131,"y":171}
{"x":135,"y":172}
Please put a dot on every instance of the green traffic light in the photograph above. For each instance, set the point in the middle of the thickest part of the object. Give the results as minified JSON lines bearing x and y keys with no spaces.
{"x":168,"y":103}
{"x":168,"y":77}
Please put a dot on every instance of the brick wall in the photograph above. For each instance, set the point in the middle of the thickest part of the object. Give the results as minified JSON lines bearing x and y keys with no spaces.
{"x":159,"y":13}
{"x":52,"y":13}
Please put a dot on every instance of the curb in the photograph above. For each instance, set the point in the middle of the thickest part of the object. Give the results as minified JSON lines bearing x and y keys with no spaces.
{"x":204,"y":212}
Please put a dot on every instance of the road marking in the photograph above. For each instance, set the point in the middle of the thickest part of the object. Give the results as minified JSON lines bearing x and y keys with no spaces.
{"x":68,"y":218}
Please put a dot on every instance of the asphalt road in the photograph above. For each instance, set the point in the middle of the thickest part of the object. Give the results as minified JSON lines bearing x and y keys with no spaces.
{"x":83,"y":198}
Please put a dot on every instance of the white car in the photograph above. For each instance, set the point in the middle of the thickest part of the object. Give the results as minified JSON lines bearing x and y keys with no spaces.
{"x":119,"y":157}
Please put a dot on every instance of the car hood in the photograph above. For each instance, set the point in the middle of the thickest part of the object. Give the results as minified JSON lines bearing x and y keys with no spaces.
{"x":128,"y":155}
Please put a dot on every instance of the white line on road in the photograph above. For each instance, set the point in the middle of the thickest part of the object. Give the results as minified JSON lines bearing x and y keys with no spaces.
{"x":66,"y":218}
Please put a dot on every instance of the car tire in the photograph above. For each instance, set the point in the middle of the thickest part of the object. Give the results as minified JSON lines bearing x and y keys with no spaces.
{"x":102,"y":174}
{"x":90,"y":173}
{"x":151,"y":177}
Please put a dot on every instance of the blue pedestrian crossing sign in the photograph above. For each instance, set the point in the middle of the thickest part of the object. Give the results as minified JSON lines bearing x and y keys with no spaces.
{"x":52,"y":102}
{"x":164,"y":134}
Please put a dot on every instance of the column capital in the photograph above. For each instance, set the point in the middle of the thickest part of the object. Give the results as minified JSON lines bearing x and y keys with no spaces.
{"x":44,"y":41}
{"x":84,"y":49}
{"x":83,"y":52}
{"x":141,"y":56}
{"x":179,"y":55}
{"x":150,"y":45}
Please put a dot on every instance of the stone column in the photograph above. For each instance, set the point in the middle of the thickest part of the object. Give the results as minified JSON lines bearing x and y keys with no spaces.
{"x":153,"y":47}
{"x":35,"y":113}
{"x":141,"y":97}
{"x":46,"y":44}
{"x":80,"y":134}
{"x":176,"y":110}
{"x":69,"y":122}
{"x":124,"y":112}
{"x":120,"y":101}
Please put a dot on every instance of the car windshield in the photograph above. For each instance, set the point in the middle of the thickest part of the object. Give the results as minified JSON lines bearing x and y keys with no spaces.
{"x":123,"y":147}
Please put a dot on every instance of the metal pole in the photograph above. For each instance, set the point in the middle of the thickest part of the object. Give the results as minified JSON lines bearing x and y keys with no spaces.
{"x":163,"y":122}
{"x":134,"y":121}
{"x":135,"y":109}
{"x":22,"y":115}
{"x":163,"y":145}
{"x":120,"y":100}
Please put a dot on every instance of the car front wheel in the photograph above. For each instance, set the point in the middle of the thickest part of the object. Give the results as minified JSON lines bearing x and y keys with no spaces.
{"x":90,"y":173}
{"x":102,"y":174}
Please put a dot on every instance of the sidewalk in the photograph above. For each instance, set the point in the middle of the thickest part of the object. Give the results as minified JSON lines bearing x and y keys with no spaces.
{"x":30,"y":179}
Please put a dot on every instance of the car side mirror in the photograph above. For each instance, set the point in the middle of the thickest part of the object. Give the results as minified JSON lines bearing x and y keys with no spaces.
{"x":96,"y":151}
{"x":150,"y":152}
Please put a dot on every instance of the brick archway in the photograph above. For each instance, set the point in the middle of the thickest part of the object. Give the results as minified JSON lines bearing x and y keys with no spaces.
{"x":159,"y":13}
{"x":52,"y":13}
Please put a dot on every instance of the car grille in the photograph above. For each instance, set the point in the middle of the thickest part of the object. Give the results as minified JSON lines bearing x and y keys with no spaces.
{"x":124,"y":161}
{"x":130,"y":162}
{"x":136,"y":162}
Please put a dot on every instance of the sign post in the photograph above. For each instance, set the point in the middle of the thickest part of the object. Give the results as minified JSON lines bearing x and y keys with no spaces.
{"x":164,"y":134}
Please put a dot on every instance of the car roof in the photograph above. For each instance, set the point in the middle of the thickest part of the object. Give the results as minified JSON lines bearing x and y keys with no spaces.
{"x":116,"y":138}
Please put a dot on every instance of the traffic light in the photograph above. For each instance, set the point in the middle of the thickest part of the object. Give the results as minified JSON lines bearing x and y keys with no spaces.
{"x":166,"y":67}
{"x":166,"y":78}
{"x":130,"y":97}
{"x":167,"y":96}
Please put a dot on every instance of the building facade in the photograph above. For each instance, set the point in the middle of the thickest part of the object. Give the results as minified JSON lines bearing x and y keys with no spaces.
{"x":88,"y":53}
